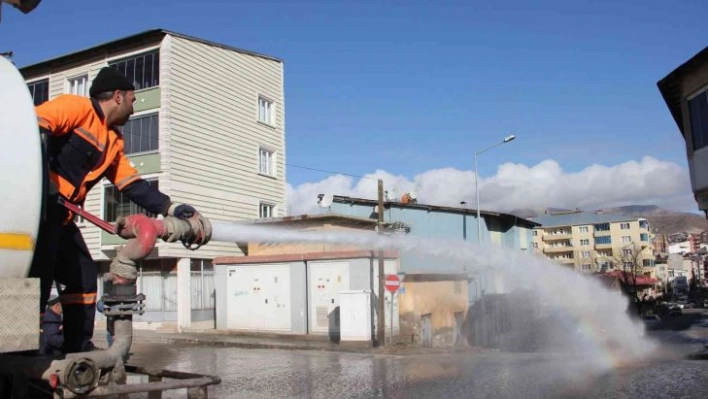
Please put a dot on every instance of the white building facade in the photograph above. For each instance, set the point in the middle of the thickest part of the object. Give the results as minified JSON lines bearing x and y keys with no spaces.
{"x":208,"y":130}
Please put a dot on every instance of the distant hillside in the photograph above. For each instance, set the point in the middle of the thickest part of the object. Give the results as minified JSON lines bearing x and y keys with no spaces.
{"x":534,"y":213}
{"x":663,"y":220}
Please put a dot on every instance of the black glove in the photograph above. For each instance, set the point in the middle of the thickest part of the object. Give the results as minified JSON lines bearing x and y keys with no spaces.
{"x":182,"y":211}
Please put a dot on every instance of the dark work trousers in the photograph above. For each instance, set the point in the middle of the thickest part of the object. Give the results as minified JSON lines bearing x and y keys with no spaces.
{"x":61,"y":254}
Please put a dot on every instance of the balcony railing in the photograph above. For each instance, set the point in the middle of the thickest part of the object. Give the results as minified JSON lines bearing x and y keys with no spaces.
{"x":549,"y":249}
{"x":555,"y":237}
{"x":564,"y":260}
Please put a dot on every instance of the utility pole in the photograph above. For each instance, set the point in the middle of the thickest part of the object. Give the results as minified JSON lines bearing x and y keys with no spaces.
{"x":381,"y":333}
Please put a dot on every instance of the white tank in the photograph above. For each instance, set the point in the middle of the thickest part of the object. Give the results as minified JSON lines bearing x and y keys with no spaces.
{"x":20,"y":173}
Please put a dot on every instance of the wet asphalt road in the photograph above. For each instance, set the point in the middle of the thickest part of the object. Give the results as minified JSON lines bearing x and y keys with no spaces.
{"x":310,"y":374}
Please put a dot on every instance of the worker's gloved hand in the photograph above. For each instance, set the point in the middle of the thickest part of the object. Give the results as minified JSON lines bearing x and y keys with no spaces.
{"x":181,"y":211}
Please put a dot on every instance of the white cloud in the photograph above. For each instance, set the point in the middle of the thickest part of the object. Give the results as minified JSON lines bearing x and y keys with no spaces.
{"x":518,"y":186}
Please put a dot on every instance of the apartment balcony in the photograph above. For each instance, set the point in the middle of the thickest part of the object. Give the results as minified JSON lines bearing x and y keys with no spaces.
{"x":603,"y":246}
{"x":549,"y":249}
{"x":601,"y":233}
{"x":556,"y":237}
{"x":565,"y":261}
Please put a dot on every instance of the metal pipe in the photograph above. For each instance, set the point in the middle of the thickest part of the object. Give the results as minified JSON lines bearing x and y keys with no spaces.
{"x":118,"y":352}
{"x":78,"y":373}
{"x":148,"y":387}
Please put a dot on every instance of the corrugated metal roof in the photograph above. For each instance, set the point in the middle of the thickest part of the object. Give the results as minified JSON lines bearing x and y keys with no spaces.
{"x":580,"y":218}
{"x":416,"y":205}
{"x":314,"y":218}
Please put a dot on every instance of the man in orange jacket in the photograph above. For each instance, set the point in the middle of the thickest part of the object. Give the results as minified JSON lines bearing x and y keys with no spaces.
{"x":84,"y":145}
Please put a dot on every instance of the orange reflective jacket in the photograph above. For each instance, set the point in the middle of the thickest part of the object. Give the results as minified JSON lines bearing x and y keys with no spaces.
{"x":82,"y":149}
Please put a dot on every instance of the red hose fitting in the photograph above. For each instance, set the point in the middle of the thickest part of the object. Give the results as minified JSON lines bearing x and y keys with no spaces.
{"x":142,"y":233}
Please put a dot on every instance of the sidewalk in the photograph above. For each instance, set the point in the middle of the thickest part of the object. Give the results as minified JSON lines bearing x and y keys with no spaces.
{"x":235,"y":339}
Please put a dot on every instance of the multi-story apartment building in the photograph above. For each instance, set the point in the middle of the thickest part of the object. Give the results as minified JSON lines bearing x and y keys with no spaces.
{"x":592,"y":243}
{"x":208,"y":130}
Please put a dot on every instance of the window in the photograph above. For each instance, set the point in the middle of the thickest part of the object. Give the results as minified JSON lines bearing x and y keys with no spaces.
{"x":457,"y":287}
{"x":583,"y":229}
{"x":115,"y":204}
{"x":535,"y":245}
{"x":643,"y":224}
{"x":535,"y":233}
{"x":265,"y":162}
{"x":266,"y":210}
{"x":585,"y":267}
{"x":648,"y":262}
{"x":627,"y":252}
{"x":78,"y":86}
{"x":585,"y":254}
{"x":39,"y":91}
{"x":698,"y":113}
{"x":141,"y":134}
{"x":266,"y":111}
{"x":603,"y":240}
{"x":585,"y":241}
{"x":644,"y":237}
{"x":602,"y":227}
{"x":79,"y":219}
{"x":626,"y":239}
{"x":624,"y":226}
{"x":143,"y":70}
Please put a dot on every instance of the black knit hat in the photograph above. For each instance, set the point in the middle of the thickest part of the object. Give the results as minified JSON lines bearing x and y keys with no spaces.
{"x":53,"y":300}
{"x":108,"y":79}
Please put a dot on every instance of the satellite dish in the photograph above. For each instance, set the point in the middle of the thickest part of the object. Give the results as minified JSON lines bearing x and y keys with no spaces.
{"x":392,"y":195}
{"x":326,"y":200}
{"x":414,"y":194}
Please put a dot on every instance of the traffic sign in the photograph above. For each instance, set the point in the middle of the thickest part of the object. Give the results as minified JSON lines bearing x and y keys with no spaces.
{"x":392,"y":283}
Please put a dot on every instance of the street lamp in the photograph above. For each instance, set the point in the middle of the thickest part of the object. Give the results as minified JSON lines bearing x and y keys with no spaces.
{"x":476,"y":182}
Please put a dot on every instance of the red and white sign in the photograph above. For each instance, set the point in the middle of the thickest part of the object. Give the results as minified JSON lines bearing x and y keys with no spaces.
{"x":392,"y":283}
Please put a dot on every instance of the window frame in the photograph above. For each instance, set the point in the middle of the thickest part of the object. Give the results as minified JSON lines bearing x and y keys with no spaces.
{"x":702,"y":91}
{"x":156,"y":70}
{"x":32,"y":92}
{"x":266,"y":205}
{"x":144,"y":114}
{"x":271,"y":110}
{"x":106,"y":184}
{"x":68,"y":84}
{"x":270,"y":162}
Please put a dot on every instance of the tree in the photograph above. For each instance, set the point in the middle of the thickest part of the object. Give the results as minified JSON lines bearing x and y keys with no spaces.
{"x":630,"y":265}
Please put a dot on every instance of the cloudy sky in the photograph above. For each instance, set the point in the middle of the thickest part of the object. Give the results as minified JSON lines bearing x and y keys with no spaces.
{"x":409,"y":90}
{"x":517,"y":186}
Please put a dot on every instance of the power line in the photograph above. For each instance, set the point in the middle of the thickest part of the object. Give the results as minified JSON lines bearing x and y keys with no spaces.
{"x":329,"y":171}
